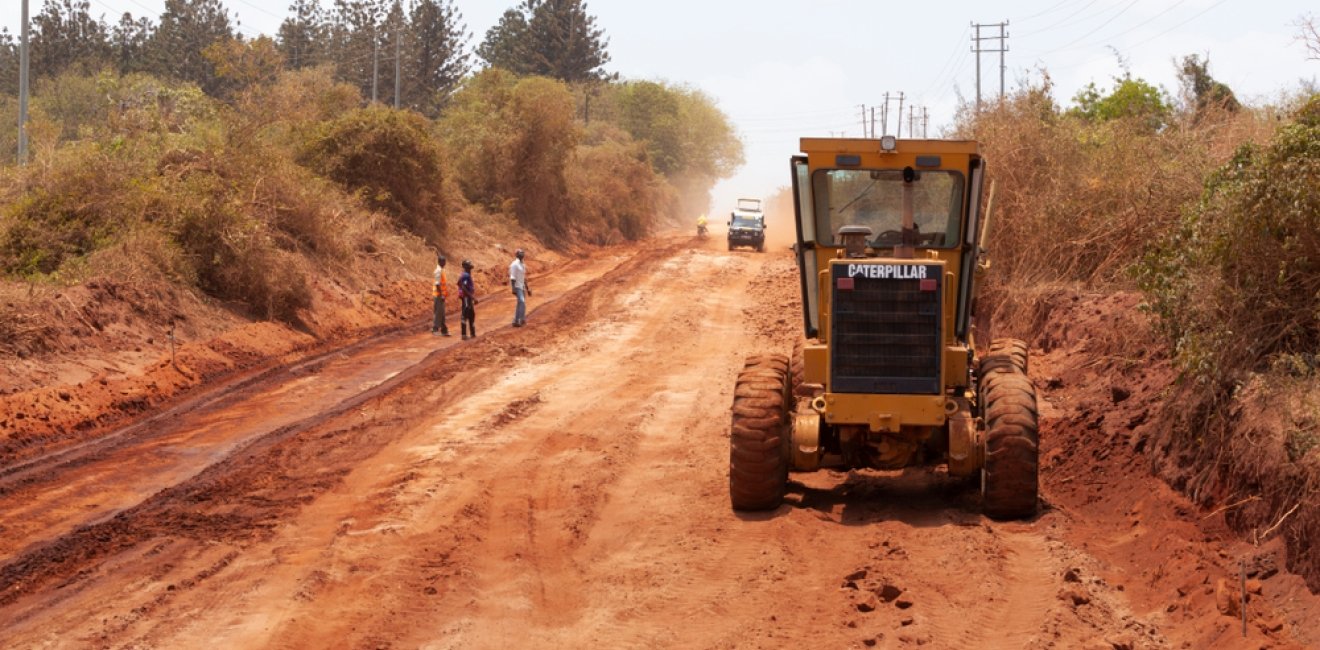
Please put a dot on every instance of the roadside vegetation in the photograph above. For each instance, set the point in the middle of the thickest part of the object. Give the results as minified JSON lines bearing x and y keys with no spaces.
{"x":173,"y":149}
{"x":1211,"y":209}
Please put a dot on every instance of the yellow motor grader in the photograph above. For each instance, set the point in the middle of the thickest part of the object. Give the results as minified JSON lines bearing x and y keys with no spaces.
{"x":889,"y":248}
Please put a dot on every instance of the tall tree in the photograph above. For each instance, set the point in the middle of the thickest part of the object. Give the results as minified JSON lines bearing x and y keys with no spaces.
{"x":503,"y":45}
{"x":392,"y":34}
{"x":435,"y":59}
{"x":356,"y":32}
{"x":8,"y":63}
{"x":64,"y":35}
{"x":1201,"y":91}
{"x":553,"y":38}
{"x":1309,"y":34}
{"x":187,"y":28}
{"x":304,"y":34}
{"x":564,"y":42}
{"x":129,"y":40}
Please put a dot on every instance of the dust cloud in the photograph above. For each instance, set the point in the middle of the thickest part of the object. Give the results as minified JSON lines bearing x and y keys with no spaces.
{"x":780,"y":229}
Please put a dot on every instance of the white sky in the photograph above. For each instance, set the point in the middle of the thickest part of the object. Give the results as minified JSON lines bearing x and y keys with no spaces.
{"x":782,"y":70}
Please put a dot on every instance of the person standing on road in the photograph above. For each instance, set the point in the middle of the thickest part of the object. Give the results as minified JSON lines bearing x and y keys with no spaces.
{"x":518,"y":280}
{"x":467,"y":297}
{"x":440,"y":291}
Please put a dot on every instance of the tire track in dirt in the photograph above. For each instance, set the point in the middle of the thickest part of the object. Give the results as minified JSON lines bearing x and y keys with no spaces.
{"x":302,"y":467}
{"x":1014,"y":612}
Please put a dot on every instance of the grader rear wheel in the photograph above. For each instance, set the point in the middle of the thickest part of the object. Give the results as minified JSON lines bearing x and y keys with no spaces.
{"x":1010,"y":476}
{"x":758,"y":437}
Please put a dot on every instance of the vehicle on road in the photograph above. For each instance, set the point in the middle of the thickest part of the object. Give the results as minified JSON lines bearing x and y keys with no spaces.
{"x":890,"y":245}
{"x":747,"y":225}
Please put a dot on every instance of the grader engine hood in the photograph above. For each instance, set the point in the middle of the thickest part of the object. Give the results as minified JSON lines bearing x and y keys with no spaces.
{"x":886,"y":326}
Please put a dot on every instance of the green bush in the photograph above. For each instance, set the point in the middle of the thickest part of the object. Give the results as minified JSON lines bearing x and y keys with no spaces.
{"x":1238,"y":282}
{"x":390,"y":159}
{"x":69,"y":210}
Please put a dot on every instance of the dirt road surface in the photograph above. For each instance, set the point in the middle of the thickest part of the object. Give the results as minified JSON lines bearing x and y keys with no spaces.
{"x":564,"y":485}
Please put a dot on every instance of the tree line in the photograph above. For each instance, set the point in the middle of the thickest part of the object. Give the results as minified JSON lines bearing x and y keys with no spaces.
{"x":364,"y":41}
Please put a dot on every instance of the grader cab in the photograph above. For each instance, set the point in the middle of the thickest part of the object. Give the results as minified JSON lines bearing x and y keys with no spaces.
{"x":887,"y":374}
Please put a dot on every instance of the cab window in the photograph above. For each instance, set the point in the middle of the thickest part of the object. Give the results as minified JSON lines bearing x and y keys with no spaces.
{"x":874,"y":198}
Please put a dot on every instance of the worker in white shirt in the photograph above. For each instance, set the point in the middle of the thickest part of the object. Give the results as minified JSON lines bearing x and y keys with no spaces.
{"x":518,"y":281}
{"x":439,"y":292}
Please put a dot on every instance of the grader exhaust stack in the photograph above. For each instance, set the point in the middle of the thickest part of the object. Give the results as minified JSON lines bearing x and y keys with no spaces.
{"x":887,"y":374}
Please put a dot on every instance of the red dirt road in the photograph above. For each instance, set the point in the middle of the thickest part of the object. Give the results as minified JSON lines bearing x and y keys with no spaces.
{"x":564,"y":485}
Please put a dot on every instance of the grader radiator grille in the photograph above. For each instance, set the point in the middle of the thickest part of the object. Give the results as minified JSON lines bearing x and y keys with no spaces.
{"x":885,"y":325}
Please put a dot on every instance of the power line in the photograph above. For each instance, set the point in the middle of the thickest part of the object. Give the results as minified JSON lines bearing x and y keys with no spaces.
{"x":1152,"y":38}
{"x":939,"y":76}
{"x":1125,"y":32}
{"x":1042,"y":13}
{"x":1064,"y":20}
{"x":1098,"y":28}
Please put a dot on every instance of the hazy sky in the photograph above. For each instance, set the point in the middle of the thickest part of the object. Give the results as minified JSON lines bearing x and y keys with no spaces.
{"x":782,"y":70}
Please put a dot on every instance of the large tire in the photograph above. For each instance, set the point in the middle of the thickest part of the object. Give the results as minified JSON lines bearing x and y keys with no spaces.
{"x":758,"y":436}
{"x":1014,"y":349}
{"x":1010,"y":477}
{"x":797,"y":372}
{"x":797,"y":368}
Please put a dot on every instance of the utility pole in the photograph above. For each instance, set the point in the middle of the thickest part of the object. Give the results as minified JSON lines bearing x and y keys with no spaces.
{"x":925,"y":122}
{"x":375,"y":66}
{"x":864,"y":120}
{"x":1003,"y":47}
{"x":873,"y":122}
{"x":884,"y":116}
{"x":900,"y":116}
{"x":23,"y":89}
{"x":397,"y":76}
{"x":1002,"y":37}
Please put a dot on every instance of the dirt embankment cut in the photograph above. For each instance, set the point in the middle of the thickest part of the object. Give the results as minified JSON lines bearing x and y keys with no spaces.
{"x":96,"y":356}
{"x":1124,"y":410}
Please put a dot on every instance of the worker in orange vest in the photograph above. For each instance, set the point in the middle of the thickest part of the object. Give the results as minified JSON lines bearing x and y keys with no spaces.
{"x":440,"y":291}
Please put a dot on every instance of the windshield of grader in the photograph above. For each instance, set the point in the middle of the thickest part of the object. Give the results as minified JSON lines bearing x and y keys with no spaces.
{"x":874,"y":198}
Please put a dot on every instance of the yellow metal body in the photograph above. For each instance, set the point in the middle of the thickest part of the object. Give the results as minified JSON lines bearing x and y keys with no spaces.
{"x":893,"y":424}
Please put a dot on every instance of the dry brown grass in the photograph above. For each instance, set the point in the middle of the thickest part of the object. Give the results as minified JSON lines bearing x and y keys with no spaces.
{"x":1077,"y":202}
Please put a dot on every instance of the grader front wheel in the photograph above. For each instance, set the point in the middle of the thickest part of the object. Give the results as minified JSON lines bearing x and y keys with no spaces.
{"x":758,"y":437}
{"x":1014,"y":349}
{"x":1009,"y":478}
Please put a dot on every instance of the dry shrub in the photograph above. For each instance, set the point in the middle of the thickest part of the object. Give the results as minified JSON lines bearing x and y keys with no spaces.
{"x":511,"y":139}
{"x":543,"y":109}
{"x":24,"y":328}
{"x":1078,"y":200}
{"x":65,"y":209}
{"x":389,"y":158}
{"x":142,"y":256}
{"x":287,"y":112}
{"x":613,"y":192}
